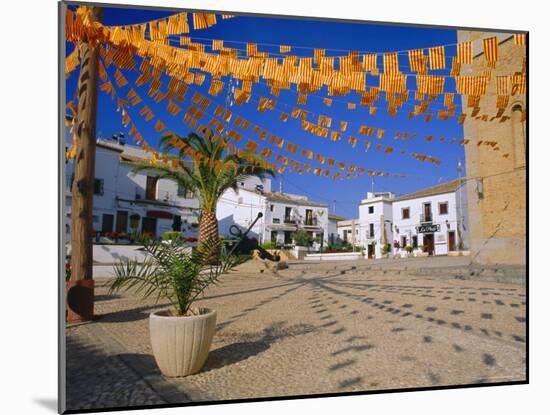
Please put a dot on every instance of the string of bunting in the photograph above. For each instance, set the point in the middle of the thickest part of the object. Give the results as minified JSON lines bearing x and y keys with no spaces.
{"x":195,"y":114}
{"x":267,"y":104}
{"x":322,"y":130}
{"x":165,"y":58}
{"x":396,"y":83}
{"x":175,"y":24}
{"x":368,"y":131}
{"x":292,"y":70}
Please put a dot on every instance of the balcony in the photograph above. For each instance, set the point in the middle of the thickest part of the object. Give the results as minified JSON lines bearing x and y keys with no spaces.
{"x":289,"y":220}
{"x":426,"y":218}
{"x":311,"y":222}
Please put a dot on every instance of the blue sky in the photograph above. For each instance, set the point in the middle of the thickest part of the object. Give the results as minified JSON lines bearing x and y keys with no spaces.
{"x":310,"y":34}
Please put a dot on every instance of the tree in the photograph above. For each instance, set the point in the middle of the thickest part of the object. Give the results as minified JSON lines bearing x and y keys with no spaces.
{"x":80,"y":296}
{"x":222,"y":171}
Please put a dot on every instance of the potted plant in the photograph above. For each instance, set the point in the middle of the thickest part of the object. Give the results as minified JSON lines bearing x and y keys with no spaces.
{"x":409,"y":250}
{"x":385,"y":250}
{"x":181,"y":335}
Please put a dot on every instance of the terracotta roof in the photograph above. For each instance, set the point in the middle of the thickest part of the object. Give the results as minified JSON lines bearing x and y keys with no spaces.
{"x":441,"y":188}
{"x":335,"y":217}
{"x":285,"y":198}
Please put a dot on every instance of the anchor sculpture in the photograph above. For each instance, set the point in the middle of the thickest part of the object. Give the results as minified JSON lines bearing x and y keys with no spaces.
{"x":246,"y":245}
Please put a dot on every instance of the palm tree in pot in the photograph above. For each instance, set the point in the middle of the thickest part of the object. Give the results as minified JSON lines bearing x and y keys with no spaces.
{"x":222,"y":171}
{"x":182,"y":334}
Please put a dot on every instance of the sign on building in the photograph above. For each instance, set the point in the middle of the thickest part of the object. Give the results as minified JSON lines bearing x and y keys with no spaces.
{"x":427,"y":228}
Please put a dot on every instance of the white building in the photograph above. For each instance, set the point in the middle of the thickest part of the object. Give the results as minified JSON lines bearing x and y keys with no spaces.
{"x":125,"y":202}
{"x":333,"y":226}
{"x":283,"y":213}
{"x":348,"y":231}
{"x":375,"y":222}
{"x":434,"y":219}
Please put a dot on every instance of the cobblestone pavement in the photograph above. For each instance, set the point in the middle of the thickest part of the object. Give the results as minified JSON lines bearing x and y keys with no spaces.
{"x":97,"y":378}
{"x":312,"y":329}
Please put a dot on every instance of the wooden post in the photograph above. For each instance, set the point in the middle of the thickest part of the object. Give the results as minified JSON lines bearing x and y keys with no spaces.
{"x":80,"y":289}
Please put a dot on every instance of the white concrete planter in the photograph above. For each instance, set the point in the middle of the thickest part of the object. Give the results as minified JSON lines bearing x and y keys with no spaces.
{"x":343,"y":256}
{"x":181,"y":343}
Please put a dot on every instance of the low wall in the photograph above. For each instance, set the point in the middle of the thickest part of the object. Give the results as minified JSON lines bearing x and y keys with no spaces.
{"x":343,"y":256}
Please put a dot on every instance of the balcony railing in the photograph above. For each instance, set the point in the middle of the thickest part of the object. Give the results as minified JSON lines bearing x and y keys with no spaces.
{"x":425,"y":218}
{"x":310,"y":222}
{"x":289,"y":220}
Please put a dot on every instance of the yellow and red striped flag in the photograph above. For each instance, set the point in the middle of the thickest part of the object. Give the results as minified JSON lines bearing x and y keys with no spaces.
{"x":437,"y":57}
{"x":391,"y":63}
{"x":502,"y":85}
{"x":369,"y":63}
{"x":490,"y":48}
{"x":520,"y":39}
{"x":417,"y":60}
{"x":464,"y":53}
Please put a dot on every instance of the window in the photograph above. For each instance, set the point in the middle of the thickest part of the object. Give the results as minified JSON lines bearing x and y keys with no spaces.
{"x":271,"y":207}
{"x":276,"y":220}
{"x":415,"y":241}
{"x":427,"y":216}
{"x":274,"y":236}
{"x":288,"y":210}
{"x":98,"y":187}
{"x":151,"y":188}
{"x":406,"y":213}
{"x":443,"y":208}
{"x":309,"y":217}
{"x":176,"y":224}
{"x":371,"y":230}
{"x":371,"y":209}
{"x":403,"y":241}
{"x":184,"y":192}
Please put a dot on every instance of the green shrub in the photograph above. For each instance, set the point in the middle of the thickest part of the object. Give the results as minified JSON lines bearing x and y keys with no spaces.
{"x":171,"y":273}
{"x":270,"y":245}
{"x":302,"y":238}
{"x":169,"y":235}
{"x":385,"y":249}
{"x":409,"y":249}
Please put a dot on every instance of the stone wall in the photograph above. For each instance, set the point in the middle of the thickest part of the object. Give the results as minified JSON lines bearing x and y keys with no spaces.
{"x":497,"y":189}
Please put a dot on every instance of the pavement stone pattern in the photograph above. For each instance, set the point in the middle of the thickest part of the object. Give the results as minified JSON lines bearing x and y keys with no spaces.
{"x":318,"y":328}
{"x":96,"y":378}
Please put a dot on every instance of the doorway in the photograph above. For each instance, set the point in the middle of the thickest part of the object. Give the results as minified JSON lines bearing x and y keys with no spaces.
{"x":121,"y":221}
{"x":149,"y":226}
{"x":370,"y":251}
{"x":107,"y":223}
{"x":429,"y":243}
{"x":451,"y":240}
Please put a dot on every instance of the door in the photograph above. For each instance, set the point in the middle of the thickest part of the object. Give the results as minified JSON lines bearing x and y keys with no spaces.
{"x":429,"y":243}
{"x":151,"y":188}
{"x":370,"y":251}
{"x":107,"y":223}
{"x":121,"y":221}
{"x":451,"y":240}
{"x":149,"y":227}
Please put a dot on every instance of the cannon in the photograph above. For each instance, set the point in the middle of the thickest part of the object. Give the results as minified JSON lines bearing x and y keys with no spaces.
{"x":246,"y":245}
